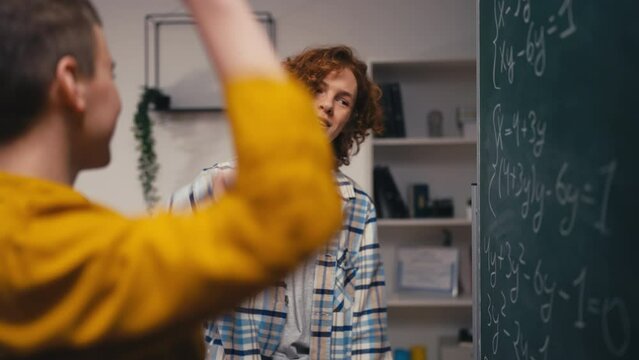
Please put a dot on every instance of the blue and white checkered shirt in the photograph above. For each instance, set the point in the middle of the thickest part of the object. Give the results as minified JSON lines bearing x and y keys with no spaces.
{"x":348,"y":319}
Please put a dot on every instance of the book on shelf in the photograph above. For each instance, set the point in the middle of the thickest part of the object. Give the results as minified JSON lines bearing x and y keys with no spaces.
{"x":393,"y":110}
{"x":388,"y":200}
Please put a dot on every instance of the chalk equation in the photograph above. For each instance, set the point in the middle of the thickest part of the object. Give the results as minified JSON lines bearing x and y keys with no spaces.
{"x":521,"y":180}
{"x":510,"y":270}
{"x":532,"y":50}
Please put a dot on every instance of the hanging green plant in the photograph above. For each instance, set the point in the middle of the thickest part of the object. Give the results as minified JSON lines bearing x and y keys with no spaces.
{"x":143,"y":131}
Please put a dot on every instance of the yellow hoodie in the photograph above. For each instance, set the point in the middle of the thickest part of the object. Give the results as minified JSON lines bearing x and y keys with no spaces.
{"x":76,"y":276}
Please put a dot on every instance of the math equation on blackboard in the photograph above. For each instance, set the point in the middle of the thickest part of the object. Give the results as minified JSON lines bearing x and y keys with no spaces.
{"x":553,"y":250}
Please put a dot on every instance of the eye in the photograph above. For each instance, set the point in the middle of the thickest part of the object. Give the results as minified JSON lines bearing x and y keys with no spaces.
{"x":344,"y":102}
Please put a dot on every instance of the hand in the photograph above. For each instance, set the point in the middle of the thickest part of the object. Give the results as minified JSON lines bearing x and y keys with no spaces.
{"x":222,"y":181}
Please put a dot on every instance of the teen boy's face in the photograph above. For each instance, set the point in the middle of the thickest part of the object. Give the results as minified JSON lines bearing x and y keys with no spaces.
{"x":103,"y":107}
{"x":335,"y":100}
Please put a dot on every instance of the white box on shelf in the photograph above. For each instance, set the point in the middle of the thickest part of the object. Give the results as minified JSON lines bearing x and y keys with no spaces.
{"x":467,"y":121}
{"x":456,"y":352}
{"x":431,"y":270}
{"x":470,"y":129}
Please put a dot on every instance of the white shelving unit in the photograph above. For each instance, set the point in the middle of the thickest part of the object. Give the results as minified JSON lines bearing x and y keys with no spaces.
{"x":448,"y":165}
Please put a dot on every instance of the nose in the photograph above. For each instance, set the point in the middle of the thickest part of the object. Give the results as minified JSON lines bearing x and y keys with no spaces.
{"x":326,"y":107}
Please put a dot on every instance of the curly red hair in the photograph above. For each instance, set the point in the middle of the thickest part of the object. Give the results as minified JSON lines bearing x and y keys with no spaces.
{"x":312,"y":65}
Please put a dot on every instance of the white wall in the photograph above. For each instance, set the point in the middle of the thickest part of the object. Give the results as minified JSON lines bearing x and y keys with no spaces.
{"x":378,"y":29}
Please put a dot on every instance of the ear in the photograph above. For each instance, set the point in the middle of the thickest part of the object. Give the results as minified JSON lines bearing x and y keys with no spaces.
{"x":71,"y":89}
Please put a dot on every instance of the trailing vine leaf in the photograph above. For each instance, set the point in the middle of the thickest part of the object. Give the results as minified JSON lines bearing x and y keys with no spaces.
{"x":147,"y":160}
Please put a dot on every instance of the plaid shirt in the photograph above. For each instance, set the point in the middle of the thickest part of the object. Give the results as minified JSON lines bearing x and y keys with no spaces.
{"x":348,"y":319}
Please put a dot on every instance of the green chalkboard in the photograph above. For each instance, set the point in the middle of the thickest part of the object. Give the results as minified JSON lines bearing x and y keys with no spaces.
{"x":559,"y":180}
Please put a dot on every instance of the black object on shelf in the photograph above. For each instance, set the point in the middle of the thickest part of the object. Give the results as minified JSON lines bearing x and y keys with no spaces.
{"x":435,"y":122}
{"x":420,"y":200}
{"x":448,"y":238}
{"x":465,"y":335}
{"x":442,"y":208}
{"x":393,"y":110}
{"x":388,"y":201}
